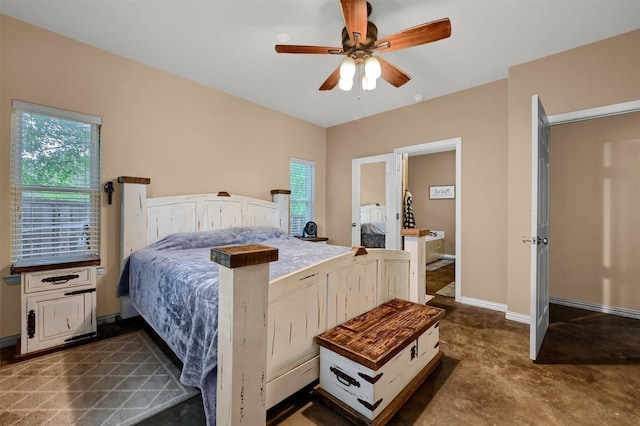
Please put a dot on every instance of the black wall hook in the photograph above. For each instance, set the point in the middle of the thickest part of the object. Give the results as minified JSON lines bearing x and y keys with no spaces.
{"x":108,"y":188}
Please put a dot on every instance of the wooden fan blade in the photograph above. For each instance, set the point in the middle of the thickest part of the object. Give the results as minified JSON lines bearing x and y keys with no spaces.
{"x":354,"y":13}
{"x":394,"y":75}
{"x":415,"y":36}
{"x":332,"y":81}
{"x":285,"y":48}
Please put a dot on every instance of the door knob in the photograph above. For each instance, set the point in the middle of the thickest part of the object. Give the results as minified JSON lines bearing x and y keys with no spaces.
{"x":536,"y":240}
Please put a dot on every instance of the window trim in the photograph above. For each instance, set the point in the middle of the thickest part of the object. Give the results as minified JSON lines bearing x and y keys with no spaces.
{"x":56,"y":112}
{"x":73,"y":260}
{"x":311,"y":211}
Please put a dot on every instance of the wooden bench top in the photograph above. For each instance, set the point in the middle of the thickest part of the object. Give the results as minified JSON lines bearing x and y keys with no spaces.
{"x":373,"y":338}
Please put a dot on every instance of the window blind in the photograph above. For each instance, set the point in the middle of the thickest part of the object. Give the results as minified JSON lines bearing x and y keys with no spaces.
{"x":302,"y":177}
{"x":55,"y":184}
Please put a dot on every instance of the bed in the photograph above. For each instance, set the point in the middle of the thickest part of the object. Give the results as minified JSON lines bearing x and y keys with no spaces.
{"x":372,"y":235}
{"x":372,"y":226}
{"x":222,"y":324}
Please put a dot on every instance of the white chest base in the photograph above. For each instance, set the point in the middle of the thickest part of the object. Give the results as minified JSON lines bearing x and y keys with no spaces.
{"x":391,"y":409}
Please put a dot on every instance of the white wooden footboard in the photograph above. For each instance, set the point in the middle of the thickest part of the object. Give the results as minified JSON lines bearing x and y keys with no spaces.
{"x":306,"y":303}
{"x":315,"y":299}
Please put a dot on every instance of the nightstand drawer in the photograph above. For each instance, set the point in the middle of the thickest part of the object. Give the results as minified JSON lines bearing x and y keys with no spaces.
{"x":59,"y":278}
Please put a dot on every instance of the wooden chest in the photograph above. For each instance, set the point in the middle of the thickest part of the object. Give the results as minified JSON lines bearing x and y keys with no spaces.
{"x":370,"y":365}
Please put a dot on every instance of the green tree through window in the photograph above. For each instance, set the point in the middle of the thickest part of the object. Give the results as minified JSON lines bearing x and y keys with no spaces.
{"x":55,"y":152}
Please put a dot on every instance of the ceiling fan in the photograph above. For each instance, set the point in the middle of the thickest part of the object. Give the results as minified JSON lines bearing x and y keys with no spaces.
{"x":360,"y":41}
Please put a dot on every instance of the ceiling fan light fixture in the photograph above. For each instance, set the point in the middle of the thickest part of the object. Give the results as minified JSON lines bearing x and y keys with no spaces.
{"x":345,"y":84}
{"x":360,"y":42}
{"x":347,"y":68}
{"x":372,"y":68}
{"x":368,"y":83}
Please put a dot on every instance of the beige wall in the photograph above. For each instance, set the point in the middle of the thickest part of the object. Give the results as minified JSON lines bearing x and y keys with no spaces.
{"x":479,"y":117}
{"x":372,"y":184}
{"x":602,"y":73}
{"x":184,"y":136}
{"x":432,"y":170}
{"x":594,"y":211}
{"x":189,"y":138}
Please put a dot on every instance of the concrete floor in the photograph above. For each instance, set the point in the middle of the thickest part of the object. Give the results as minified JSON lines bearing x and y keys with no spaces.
{"x":588,"y":374}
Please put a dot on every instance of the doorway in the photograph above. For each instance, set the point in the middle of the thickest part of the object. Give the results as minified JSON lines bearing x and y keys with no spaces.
{"x":540,"y":275}
{"x":402,"y":155}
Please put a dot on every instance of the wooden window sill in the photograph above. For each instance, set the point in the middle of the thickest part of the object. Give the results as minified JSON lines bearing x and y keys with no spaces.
{"x":56,"y":263}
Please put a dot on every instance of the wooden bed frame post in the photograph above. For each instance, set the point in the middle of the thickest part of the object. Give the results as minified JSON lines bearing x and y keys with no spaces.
{"x":282,"y":198}
{"x":133,"y":228}
{"x":242,"y":333}
{"x":415,"y":241}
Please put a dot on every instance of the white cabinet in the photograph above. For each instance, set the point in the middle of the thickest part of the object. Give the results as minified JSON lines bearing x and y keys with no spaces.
{"x":435,"y":250}
{"x":58,"y":307}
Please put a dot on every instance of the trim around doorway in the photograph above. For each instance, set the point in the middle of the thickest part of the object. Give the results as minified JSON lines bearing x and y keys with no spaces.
{"x":454,"y":144}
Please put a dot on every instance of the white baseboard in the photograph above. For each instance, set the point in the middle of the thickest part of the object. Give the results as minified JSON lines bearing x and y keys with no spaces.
{"x":449,"y":256}
{"x":605,"y":309}
{"x":484,"y":304}
{"x":500,"y":307}
{"x":518,"y":317}
{"x":13,"y":340}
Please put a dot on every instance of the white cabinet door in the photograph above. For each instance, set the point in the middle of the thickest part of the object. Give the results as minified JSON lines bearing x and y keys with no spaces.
{"x":57,"y":318}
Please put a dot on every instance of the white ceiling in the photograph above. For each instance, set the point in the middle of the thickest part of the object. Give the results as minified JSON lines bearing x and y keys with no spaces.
{"x":229,"y":44}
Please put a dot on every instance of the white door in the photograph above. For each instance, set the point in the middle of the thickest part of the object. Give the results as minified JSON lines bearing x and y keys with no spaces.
{"x":391,"y":205}
{"x":539,"y":227}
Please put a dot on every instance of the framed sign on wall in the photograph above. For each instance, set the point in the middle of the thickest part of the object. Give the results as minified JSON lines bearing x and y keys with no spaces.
{"x":442,"y":192}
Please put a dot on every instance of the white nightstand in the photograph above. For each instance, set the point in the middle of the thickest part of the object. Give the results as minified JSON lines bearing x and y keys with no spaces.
{"x":58,"y":307}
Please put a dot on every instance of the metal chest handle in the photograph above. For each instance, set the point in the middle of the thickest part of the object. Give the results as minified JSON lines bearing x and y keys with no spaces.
{"x":344,"y":378}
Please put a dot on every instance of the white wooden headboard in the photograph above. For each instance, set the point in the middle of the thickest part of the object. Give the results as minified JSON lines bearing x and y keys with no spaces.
{"x":206,"y":212}
{"x":146,"y":220}
{"x":373,"y":213}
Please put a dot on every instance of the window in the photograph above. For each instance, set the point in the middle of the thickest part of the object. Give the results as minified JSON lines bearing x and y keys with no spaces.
{"x":55,"y":185}
{"x":302,"y":181}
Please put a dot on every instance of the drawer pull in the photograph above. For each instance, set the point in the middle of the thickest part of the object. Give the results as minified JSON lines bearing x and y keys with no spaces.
{"x":61,"y":279}
{"x":31,"y":324}
{"x":82,"y":336}
{"x":73,"y":293}
{"x":344,"y":378}
{"x":436,"y":345}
